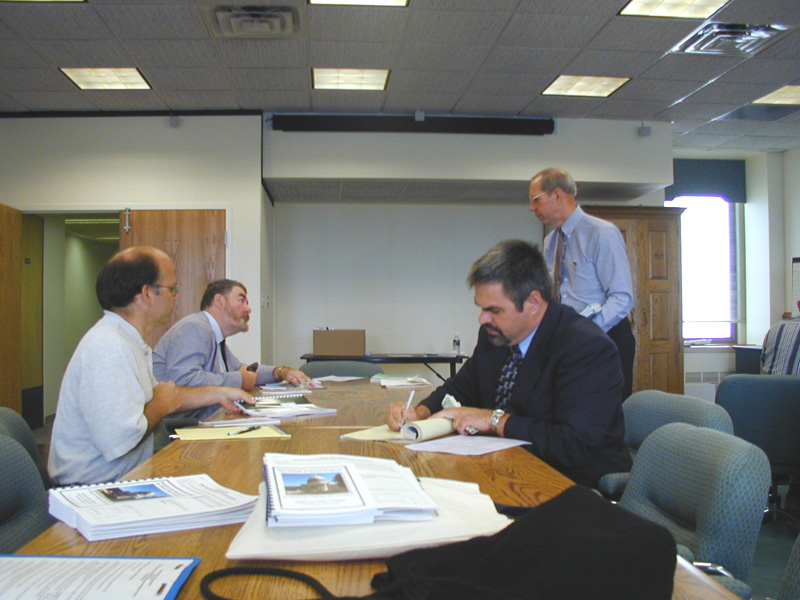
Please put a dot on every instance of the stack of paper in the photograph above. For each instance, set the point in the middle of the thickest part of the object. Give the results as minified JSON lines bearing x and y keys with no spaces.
{"x":283,"y":408}
{"x":392,"y":382}
{"x":464,"y":512}
{"x":334,"y":489}
{"x":126,"y":508}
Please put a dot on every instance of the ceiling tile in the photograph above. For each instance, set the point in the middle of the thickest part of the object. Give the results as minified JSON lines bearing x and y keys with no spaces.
{"x":428,"y":57}
{"x":552,"y":106}
{"x":8,"y":104}
{"x":622,"y":109}
{"x":6,"y":33}
{"x":84,"y":54}
{"x":491,"y":104}
{"x":760,"y":143}
{"x":688,"y":110}
{"x":52,"y":21}
{"x":173,"y":53}
{"x":632,"y":33}
{"x":262,"y":53}
{"x":595,"y":8}
{"x":782,"y":128}
{"x":276,"y":101}
{"x":513,"y":84}
{"x":691,"y":67}
{"x":271,"y":79}
{"x":786,"y":47}
{"x":775,"y":71}
{"x":691,"y":140}
{"x":760,"y":12}
{"x":31,"y":80}
{"x":529,"y":30}
{"x":186,"y":79}
{"x":435,"y":82}
{"x":18,"y":54}
{"x":738,"y":93}
{"x":352,"y":101}
{"x":353,"y":55}
{"x":736,"y":128}
{"x":125,"y":100}
{"x":53,"y":101}
{"x":362,"y":24}
{"x":154,"y":22}
{"x":487,"y":5}
{"x":611,"y":63}
{"x":656,"y":90}
{"x":685,"y":125}
{"x":410,"y":102}
{"x":544,"y":61}
{"x":467,"y":28}
{"x":207,"y":100}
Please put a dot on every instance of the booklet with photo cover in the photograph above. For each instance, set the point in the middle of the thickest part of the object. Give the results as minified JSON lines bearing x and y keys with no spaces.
{"x":335,"y":489}
{"x":125,"y":508}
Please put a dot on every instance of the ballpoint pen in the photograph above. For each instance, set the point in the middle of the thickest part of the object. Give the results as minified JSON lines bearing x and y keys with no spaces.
{"x":408,"y":405}
{"x":245,"y":430}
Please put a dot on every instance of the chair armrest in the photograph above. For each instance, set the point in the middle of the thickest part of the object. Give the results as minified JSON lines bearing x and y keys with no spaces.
{"x":612,"y":485}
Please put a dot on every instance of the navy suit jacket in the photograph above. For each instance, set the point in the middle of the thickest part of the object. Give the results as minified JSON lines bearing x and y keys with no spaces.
{"x":566,"y":399}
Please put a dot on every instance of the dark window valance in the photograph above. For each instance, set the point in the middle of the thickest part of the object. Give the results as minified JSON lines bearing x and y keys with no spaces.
{"x":724,"y":178}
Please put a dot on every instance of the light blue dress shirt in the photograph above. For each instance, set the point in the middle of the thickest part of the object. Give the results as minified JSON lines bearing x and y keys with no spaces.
{"x":596,"y":268}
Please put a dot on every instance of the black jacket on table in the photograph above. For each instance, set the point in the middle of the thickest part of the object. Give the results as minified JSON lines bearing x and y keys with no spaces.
{"x":566,"y":399}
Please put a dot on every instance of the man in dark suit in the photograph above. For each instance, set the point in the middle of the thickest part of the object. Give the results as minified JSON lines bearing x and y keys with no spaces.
{"x":540,"y":372}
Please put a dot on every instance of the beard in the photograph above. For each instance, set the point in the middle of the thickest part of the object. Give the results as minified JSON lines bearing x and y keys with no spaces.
{"x":244,"y":324}
{"x":495,"y":336}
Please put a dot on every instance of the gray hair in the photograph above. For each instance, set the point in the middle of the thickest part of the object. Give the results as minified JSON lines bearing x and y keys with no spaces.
{"x":519,"y":266}
{"x":552,"y":178}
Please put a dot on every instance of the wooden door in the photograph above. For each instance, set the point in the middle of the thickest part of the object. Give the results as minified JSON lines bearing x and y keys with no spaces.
{"x":11,"y":307}
{"x":194,"y":239}
{"x":652,"y":236}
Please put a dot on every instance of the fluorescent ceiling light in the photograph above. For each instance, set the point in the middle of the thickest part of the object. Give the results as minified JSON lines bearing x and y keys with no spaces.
{"x":788,"y":94}
{"x":107,"y":79}
{"x":362,"y":2}
{"x":350,"y":79}
{"x":680,"y":9}
{"x":576,"y":85}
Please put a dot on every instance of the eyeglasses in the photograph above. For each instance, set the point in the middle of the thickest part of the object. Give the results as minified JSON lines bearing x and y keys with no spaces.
{"x":537,"y":196}
{"x":172,"y":288}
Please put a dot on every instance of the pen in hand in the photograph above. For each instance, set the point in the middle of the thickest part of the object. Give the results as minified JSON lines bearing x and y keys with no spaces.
{"x":245,"y":430}
{"x":408,"y":406}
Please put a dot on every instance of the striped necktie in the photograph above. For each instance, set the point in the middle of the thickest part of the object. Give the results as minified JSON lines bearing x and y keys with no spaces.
{"x":558,"y":268}
{"x":507,"y":376}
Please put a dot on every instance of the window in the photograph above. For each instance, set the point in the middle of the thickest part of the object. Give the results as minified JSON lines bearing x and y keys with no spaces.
{"x":708,"y":269}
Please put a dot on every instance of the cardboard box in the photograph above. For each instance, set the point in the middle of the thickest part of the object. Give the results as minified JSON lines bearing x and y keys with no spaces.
{"x":340,"y":342}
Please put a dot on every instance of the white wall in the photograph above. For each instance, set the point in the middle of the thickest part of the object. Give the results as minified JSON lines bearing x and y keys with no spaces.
{"x":592,"y":150}
{"x":88,"y":163}
{"x":791,"y":221}
{"x":398,"y":271}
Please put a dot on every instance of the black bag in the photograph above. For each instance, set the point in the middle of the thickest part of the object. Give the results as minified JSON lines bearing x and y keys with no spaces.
{"x":577,"y":545}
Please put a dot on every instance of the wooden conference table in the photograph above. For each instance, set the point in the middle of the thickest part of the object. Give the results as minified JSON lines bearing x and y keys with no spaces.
{"x":513,"y":477}
{"x":398,"y":359}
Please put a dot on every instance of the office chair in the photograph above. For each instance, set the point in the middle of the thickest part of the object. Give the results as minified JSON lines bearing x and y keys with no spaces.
{"x":13,"y":425}
{"x":23,"y":498}
{"x":708,"y":488}
{"x":790,"y":584}
{"x":765,"y":410}
{"x":648,"y":410}
{"x":349,"y":368}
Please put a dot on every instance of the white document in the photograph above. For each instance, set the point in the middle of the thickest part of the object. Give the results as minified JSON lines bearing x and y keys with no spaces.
{"x":464,"y":512}
{"x":466,"y":445}
{"x":414,"y":431}
{"x":92,"y":578}
{"x":127,"y":508}
{"x":335,"y":489}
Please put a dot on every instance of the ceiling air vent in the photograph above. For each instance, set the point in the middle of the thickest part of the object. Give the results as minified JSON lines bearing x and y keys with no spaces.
{"x":257,"y":21}
{"x":730,"y":40}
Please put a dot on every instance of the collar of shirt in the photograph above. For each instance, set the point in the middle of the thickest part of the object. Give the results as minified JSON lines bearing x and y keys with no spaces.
{"x":572,"y":222}
{"x":128,"y":329}
{"x":525,"y":344}
{"x":214,"y":326}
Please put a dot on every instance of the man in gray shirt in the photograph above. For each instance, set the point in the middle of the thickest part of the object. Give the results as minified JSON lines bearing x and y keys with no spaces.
{"x":588,"y":261}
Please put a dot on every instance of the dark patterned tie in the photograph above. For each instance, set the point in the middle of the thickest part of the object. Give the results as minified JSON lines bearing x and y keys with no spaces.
{"x":558,"y":268}
{"x":222,"y":353}
{"x":507,"y":376}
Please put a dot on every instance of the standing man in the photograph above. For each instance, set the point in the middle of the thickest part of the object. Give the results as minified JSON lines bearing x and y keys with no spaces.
{"x":587,"y":259}
{"x":193,"y":352}
{"x":539,"y":373}
{"x":110,"y":401}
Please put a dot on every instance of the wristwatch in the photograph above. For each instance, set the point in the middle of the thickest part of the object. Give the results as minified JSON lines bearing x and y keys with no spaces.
{"x":496,"y":416}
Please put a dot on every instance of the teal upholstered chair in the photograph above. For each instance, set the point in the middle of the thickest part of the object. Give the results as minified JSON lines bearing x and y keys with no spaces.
{"x":344,"y":368}
{"x":790,"y":585}
{"x":13,"y":425}
{"x":648,"y":410}
{"x":708,"y":488}
{"x":765,"y":410}
{"x":23,"y":498}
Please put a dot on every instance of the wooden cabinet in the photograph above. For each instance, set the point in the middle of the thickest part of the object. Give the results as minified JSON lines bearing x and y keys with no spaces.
{"x":652,"y":236}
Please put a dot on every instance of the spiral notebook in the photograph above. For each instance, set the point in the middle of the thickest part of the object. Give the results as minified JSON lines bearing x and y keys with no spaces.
{"x":127,"y":508}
